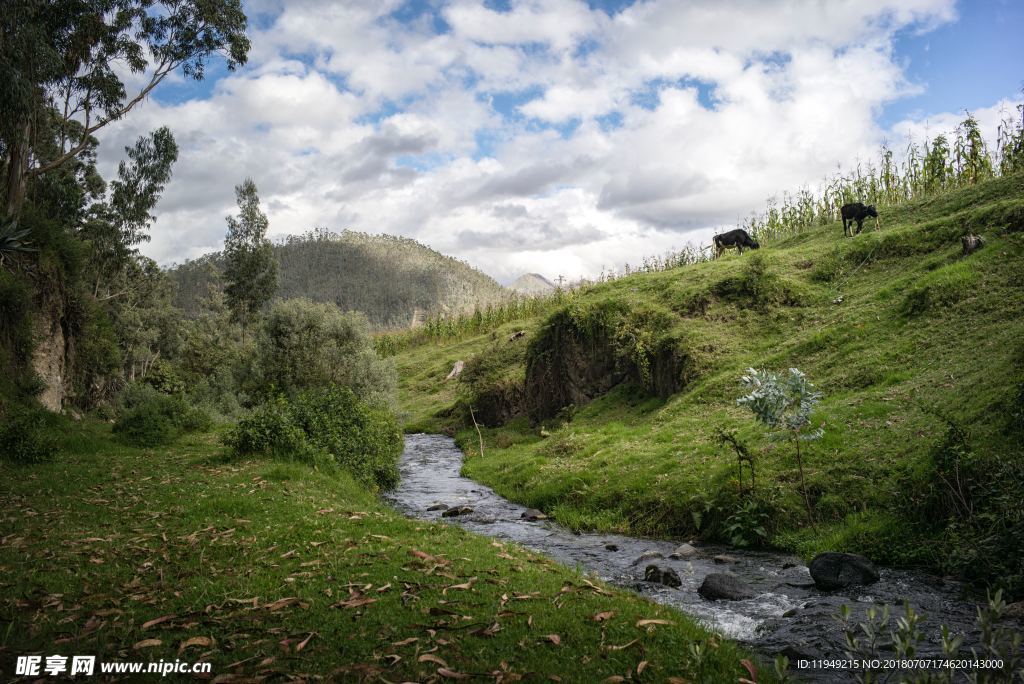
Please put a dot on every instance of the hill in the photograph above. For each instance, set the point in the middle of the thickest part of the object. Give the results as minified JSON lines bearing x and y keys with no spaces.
{"x":393,"y":280}
{"x":532,"y":284}
{"x":608,"y":412}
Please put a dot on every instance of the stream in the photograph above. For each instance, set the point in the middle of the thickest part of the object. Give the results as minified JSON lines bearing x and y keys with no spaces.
{"x":787,"y":616}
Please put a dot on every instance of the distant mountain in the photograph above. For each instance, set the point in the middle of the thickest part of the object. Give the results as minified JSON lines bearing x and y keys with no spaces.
{"x":397,"y":282}
{"x":532,"y":285}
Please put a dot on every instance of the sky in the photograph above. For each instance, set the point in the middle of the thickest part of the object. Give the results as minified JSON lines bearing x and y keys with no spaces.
{"x":560,"y":136}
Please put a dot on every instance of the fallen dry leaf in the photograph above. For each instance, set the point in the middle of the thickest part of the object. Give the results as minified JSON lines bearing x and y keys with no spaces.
{"x":554,"y":638}
{"x":450,"y":674}
{"x":602,"y":616}
{"x":406,"y":642}
{"x":645,"y":623}
{"x":641,"y":666}
{"x":204,"y":642}
{"x":285,"y":602}
{"x":157,"y":621}
{"x":623,"y":646}
{"x":355,"y":602}
{"x":431,"y":658}
{"x":302,"y":644}
{"x":147,"y":643}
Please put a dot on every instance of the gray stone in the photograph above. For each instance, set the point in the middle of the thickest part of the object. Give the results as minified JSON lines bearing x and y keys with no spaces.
{"x":439,"y":507}
{"x":647,"y":555}
{"x":456,"y":370}
{"x":725,"y":586}
{"x":683,"y":551}
{"x":666,"y":576}
{"x":832,"y":570}
{"x":456,"y":510}
{"x":611,"y":547}
{"x":532,"y":514}
{"x":723,"y":559}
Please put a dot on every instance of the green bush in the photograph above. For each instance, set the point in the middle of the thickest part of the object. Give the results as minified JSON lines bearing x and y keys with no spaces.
{"x":27,"y":435}
{"x":306,"y":345}
{"x":153,"y":419}
{"x":328,"y":426}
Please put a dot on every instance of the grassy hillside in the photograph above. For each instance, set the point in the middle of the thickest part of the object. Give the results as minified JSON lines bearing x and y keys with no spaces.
{"x":610,"y":407}
{"x":390,"y":279}
{"x":273,"y":570}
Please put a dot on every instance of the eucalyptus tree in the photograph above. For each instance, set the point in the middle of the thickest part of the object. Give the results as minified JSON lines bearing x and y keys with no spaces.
{"x":63,"y":64}
{"x":784,"y":405}
{"x":250,"y":268}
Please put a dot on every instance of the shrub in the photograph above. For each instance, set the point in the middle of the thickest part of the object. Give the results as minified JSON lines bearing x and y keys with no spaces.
{"x":153,"y":419}
{"x":784,"y":405}
{"x":306,"y":345}
{"x":27,"y":435}
{"x":329,"y":426}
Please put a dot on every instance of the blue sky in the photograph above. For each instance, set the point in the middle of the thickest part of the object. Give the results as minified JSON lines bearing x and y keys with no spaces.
{"x":562,"y":136}
{"x":964,"y":64}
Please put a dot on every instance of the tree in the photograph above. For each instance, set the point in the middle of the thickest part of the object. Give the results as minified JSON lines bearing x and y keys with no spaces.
{"x":58,"y":70}
{"x":250,"y":267}
{"x":307,"y":345}
{"x":115,"y":226}
{"x":784,"y":405}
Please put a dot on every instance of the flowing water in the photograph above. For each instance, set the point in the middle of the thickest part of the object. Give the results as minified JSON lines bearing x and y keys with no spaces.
{"x":788,"y":615}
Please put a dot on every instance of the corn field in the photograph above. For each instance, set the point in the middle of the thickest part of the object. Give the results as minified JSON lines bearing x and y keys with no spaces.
{"x":927,"y":170}
{"x":937,"y":166}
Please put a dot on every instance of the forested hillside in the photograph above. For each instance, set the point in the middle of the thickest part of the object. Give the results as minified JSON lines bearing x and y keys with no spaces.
{"x":393,"y":280}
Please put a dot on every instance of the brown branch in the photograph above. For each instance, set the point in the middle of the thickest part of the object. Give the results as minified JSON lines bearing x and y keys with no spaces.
{"x":161,"y":72}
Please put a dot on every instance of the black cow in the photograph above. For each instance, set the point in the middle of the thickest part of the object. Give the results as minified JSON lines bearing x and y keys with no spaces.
{"x":857,"y":211}
{"x":737,"y":238}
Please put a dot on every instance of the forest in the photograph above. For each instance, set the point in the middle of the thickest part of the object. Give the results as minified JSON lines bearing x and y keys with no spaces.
{"x":394,"y":281}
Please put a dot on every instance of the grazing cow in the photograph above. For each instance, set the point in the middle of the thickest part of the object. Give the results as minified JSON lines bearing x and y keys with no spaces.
{"x":737,"y":238}
{"x":857,"y":211}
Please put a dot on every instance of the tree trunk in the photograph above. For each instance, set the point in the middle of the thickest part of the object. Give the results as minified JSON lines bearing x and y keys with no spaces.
{"x":803,"y":483}
{"x":17,"y":164}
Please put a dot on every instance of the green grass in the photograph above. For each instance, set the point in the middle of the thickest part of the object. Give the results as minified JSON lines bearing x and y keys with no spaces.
{"x":888,"y":324}
{"x":264,"y":565}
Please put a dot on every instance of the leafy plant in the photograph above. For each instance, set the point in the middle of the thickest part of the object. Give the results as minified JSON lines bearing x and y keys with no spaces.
{"x":784,"y":406}
{"x":997,"y":643}
{"x":324,"y":427}
{"x":27,"y":435}
{"x":748,"y":526}
{"x":157,"y":419}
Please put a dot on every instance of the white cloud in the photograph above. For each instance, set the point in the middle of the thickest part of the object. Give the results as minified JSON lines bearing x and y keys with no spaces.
{"x":347,"y":117}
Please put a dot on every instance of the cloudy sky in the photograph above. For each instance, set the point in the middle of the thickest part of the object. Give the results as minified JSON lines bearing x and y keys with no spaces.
{"x":560,"y":136}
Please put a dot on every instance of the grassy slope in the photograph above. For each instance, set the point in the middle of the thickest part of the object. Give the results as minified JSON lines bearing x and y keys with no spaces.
{"x":108,"y":538}
{"x":917,"y":323}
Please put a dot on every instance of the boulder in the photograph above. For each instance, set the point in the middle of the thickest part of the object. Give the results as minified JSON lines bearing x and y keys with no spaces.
{"x":439,"y":507}
{"x":832,"y":570}
{"x":971,"y":243}
{"x":456,"y":510}
{"x":666,"y":576}
{"x":683,"y":551}
{"x":647,"y":555}
{"x":723,"y":559}
{"x":1015,"y":610}
{"x":532,"y":514}
{"x":725,"y":586}
{"x":612,"y":547}
{"x":456,"y":370}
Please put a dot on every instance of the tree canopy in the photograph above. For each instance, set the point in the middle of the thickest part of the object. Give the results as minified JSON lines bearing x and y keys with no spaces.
{"x":62,"y":70}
